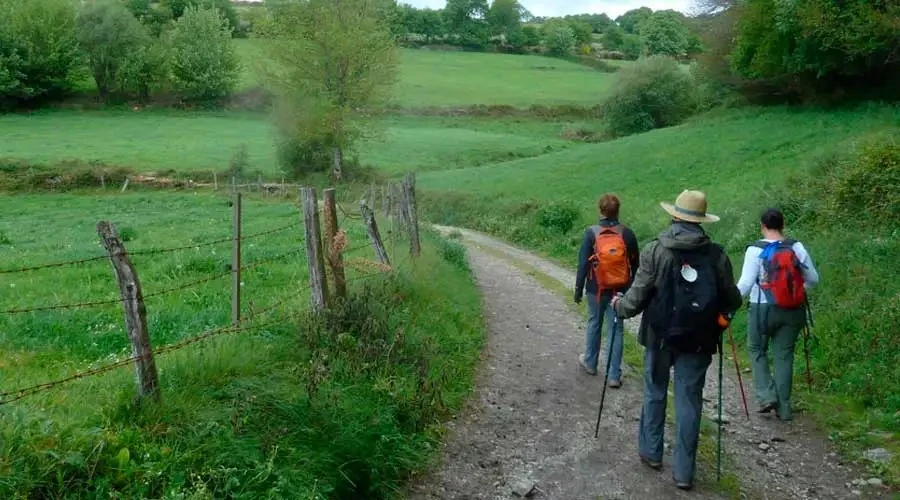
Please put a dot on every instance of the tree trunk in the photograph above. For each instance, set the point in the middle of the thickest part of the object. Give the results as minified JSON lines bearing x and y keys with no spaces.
{"x":337,"y":165}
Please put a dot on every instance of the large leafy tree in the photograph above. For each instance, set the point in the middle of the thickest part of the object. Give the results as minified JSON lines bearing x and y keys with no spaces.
{"x":108,"y":34}
{"x":466,"y":19}
{"x":328,"y":62}
{"x":665,"y":33}
{"x":631,"y":20}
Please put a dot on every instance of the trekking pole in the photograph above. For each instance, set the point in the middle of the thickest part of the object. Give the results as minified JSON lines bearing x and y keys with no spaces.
{"x":719,"y":439}
{"x":806,"y":336}
{"x":737,"y":368}
{"x":612,"y":342}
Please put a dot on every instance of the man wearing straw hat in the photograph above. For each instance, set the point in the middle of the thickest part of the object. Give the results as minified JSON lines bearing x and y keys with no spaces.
{"x":684,"y":282}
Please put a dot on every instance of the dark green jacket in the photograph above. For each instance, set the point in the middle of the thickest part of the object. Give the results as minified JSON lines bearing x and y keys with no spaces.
{"x":656,"y":256}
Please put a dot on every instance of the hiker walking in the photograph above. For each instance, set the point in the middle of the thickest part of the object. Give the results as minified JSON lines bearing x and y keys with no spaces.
{"x":776,"y":273}
{"x":683,"y":285}
{"x":607,"y":263}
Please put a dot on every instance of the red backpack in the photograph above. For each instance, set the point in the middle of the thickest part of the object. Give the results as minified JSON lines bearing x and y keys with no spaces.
{"x":611,"y":269}
{"x":781,"y":279}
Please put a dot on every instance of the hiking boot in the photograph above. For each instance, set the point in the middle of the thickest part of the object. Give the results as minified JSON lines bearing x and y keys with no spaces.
{"x":683,"y":485}
{"x":653,"y":464}
{"x":614,"y":384}
{"x":767,"y":408}
{"x":588,"y":369}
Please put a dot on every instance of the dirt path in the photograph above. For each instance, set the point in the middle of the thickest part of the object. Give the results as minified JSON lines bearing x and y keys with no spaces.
{"x":531,"y":420}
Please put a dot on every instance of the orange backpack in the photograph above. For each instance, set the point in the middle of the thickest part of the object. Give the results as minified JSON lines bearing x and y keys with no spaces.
{"x":611,"y":269}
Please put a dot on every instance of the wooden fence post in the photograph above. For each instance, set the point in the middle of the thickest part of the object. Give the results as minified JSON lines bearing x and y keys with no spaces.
{"x":333,"y":254}
{"x":236,"y":261}
{"x":147,"y":377}
{"x":125,"y":185}
{"x":374,"y":236}
{"x":412,"y":215}
{"x":314,"y":258}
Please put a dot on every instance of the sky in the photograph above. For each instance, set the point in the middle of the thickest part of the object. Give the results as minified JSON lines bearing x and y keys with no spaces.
{"x":613,"y":8}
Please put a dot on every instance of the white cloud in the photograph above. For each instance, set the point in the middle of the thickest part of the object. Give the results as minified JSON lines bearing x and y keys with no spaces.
{"x":613,"y":8}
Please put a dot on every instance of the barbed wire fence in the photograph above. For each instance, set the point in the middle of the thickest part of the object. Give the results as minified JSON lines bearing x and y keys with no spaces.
{"x":319,"y":252}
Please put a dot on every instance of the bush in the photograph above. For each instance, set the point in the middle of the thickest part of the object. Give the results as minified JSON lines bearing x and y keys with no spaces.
{"x":145,"y":70}
{"x":653,"y":93}
{"x":108,"y":34}
{"x":454,"y":252}
{"x":38,"y":49}
{"x":560,"y":40}
{"x":558,"y":217}
{"x":204,"y":64}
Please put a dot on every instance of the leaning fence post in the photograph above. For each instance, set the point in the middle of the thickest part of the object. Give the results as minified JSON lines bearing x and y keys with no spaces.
{"x":332,"y":253}
{"x":236,"y":261}
{"x":412,"y":215}
{"x":314,"y":258}
{"x":147,"y":377}
{"x":372,"y":229}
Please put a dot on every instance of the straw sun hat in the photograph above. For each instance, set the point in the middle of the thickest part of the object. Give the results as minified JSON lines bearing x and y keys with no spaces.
{"x":690,"y":206}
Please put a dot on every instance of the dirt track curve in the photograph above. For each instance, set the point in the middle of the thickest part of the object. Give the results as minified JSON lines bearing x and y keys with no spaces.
{"x":530,"y":423}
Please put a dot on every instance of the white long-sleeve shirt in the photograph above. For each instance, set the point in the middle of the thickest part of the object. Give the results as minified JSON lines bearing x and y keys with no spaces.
{"x":752,"y":271}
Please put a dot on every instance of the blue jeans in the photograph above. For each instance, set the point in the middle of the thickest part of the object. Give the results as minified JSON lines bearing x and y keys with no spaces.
{"x":690,"y":376}
{"x":616,"y":332}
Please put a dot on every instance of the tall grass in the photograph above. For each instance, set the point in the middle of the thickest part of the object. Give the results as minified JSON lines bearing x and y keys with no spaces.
{"x":345,"y":404}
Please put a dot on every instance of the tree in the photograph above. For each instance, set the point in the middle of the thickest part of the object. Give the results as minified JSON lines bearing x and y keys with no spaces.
{"x":631,"y":20}
{"x":327,"y":64}
{"x":38,"y":49}
{"x":145,"y":70}
{"x":504,"y":16}
{"x":108,"y":33}
{"x":613,"y":37}
{"x":432,"y":25}
{"x":204,"y":64}
{"x":559,"y":37}
{"x":652,"y":93}
{"x":820,"y":47}
{"x":665,"y":33}
{"x":225,"y":7}
{"x":582,"y":30}
{"x":632,"y":46}
{"x":465,"y":20}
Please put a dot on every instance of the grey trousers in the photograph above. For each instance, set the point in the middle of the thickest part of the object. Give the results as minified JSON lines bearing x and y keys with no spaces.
{"x":780,"y":328}
{"x":690,"y":377}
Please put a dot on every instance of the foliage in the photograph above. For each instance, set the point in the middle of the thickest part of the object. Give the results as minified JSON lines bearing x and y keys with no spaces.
{"x":38,"y":49}
{"x":819,"y":46}
{"x":654,"y":93}
{"x":598,"y":22}
{"x":145,"y":70}
{"x":559,"y":38}
{"x":665,"y":33}
{"x":632,"y":46}
{"x":613,"y":37}
{"x":454,"y":252}
{"x":631,"y":21}
{"x":328,"y":62}
{"x":465,"y":19}
{"x":155,"y":16}
{"x":109,"y":34}
{"x":558,"y":217}
{"x":226,"y":8}
{"x":204,"y":64}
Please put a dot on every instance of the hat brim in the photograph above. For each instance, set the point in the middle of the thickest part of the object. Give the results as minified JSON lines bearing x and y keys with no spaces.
{"x":670,"y":208}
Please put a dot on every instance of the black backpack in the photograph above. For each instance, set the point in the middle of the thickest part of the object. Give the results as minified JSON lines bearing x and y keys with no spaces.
{"x":684,"y":314}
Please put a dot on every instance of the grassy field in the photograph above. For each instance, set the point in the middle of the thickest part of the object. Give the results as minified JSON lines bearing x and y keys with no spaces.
{"x":745,"y":160}
{"x":431,"y":78}
{"x":149,"y":140}
{"x":238,"y":412}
